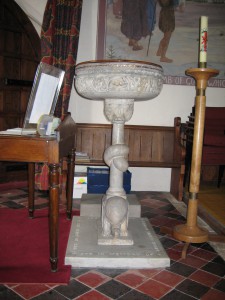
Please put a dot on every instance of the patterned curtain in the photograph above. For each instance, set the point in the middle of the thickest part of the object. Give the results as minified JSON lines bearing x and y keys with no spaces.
{"x":59,"y":43}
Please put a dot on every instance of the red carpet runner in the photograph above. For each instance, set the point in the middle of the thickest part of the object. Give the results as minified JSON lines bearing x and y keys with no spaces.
{"x":24,"y":247}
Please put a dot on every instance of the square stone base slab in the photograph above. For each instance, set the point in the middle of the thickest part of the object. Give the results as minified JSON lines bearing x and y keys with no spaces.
{"x":83,"y":250}
{"x":91,"y":204}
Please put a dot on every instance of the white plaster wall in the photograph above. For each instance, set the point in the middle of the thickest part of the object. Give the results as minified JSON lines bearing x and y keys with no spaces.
{"x":173,"y":100}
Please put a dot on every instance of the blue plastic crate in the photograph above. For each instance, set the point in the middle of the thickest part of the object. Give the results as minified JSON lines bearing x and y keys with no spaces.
{"x":98,"y":180}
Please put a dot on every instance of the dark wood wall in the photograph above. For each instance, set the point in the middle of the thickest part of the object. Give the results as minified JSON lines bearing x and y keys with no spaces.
{"x":19,"y":56}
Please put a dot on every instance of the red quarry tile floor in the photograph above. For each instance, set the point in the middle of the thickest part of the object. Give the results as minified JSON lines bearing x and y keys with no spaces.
{"x":199,"y":276}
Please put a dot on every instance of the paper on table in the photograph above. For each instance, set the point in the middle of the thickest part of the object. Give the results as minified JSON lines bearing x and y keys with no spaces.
{"x":19,"y":131}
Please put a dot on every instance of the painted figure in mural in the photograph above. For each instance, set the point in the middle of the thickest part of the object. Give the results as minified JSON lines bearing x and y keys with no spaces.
{"x":179,"y":5}
{"x":138,"y":20}
{"x":167,"y":26}
{"x":117,"y":8}
{"x":151,"y":15}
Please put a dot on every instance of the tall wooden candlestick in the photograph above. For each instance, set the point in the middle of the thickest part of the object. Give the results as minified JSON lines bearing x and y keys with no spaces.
{"x":191,"y":232}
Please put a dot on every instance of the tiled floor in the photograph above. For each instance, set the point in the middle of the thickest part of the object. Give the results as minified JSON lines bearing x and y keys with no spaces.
{"x":200,"y":276}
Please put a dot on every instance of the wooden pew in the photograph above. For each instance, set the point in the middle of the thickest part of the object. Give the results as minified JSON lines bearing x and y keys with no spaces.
{"x":150,"y":146}
{"x":213,"y":152}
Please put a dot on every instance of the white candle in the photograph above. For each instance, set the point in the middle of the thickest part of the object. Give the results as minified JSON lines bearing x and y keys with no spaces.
{"x":203,"y":40}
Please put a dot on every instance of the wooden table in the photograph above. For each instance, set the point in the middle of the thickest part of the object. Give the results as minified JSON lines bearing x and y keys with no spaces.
{"x":50,"y":150}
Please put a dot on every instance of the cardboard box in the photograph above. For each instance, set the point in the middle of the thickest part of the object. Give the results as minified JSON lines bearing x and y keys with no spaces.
{"x":80,"y":185}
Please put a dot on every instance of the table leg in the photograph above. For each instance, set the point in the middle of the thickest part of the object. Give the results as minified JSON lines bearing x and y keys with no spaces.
{"x":31,"y":183}
{"x":69,"y":185}
{"x":53,"y":214}
{"x":220,"y":176}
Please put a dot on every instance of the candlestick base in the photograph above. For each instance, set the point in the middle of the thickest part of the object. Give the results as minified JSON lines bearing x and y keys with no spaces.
{"x":190,"y":234}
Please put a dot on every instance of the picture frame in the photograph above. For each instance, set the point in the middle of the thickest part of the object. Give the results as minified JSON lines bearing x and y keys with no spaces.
{"x":44,"y":94}
{"x":183,"y":48}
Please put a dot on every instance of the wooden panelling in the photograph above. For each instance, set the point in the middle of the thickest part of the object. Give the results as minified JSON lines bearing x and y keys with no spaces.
{"x":19,"y":57}
{"x":149,"y":146}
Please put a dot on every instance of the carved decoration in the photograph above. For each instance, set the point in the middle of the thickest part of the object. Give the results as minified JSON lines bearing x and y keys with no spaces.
{"x":119,"y":84}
